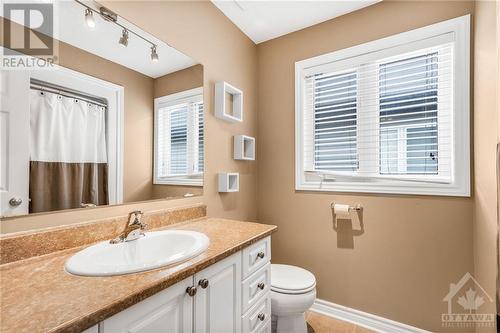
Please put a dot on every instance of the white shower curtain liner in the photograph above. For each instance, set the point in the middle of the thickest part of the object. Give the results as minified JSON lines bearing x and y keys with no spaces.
{"x":66,"y":129}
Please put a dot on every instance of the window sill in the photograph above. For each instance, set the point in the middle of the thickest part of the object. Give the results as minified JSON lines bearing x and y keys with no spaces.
{"x":386,"y":187}
{"x":179,"y":182}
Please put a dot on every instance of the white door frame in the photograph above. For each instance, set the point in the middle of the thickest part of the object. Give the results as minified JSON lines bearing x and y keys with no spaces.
{"x":114,"y":94}
{"x":14,"y":142}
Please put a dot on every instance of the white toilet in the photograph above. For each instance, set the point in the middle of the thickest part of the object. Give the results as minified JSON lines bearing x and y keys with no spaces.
{"x":293,"y":291}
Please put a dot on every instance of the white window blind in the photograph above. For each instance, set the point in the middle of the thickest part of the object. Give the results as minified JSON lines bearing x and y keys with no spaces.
{"x":332,"y":103}
{"x":414,"y":96}
{"x":179,"y":139}
{"x":201,"y":139}
{"x":385,"y":119}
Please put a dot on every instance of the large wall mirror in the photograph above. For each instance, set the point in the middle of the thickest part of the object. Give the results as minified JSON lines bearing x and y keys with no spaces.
{"x":120,"y":119}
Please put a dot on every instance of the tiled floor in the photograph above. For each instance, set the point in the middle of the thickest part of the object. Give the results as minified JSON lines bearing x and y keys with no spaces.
{"x":317,"y":323}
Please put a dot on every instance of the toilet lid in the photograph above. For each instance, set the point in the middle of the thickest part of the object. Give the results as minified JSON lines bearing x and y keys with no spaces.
{"x":291,"y":279}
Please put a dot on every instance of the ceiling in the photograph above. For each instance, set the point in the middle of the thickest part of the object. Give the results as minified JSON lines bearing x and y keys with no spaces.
{"x":265,"y":20}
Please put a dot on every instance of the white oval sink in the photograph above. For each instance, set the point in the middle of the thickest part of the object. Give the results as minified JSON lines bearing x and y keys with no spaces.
{"x":155,"y":249}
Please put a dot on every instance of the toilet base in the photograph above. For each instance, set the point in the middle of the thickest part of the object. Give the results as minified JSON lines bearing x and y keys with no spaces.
{"x":289,"y":324}
{"x":288,"y":311}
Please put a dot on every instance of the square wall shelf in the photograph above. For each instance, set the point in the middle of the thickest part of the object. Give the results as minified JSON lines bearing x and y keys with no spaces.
{"x":221,"y":107}
{"x":229,"y":182}
{"x":244,"y":148}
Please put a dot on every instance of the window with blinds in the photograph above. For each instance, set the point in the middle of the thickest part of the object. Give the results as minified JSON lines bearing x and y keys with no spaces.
{"x":388,"y":116}
{"x":335,"y":120}
{"x":179,"y":139}
{"x":409,"y":112}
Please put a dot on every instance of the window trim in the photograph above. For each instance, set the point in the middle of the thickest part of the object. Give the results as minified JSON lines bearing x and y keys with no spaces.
{"x":460,"y":185}
{"x":161,"y":102}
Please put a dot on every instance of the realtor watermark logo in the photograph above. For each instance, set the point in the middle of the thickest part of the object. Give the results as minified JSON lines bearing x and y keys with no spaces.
{"x":29,"y":35}
{"x":465,"y":300}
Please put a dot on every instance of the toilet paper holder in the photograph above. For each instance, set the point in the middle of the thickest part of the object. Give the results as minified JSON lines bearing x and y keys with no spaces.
{"x":356,"y":208}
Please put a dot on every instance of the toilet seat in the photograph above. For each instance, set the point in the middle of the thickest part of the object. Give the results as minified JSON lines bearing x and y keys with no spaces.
{"x":286,"y":279}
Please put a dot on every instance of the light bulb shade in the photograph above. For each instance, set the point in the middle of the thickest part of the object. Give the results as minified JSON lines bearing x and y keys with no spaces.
{"x":124,"y":38}
{"x":154,"y":54}
{"x":89,"y":18}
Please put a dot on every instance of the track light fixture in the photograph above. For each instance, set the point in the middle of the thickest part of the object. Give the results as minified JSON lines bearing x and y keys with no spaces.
{"x":124,"y":38}
{"x":112,"y":17}
{"x":154,"y":55}
{"x":89,"y":18}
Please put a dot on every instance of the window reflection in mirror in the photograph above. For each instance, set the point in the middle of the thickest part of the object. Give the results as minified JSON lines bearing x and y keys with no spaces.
{"x":179,"y":138}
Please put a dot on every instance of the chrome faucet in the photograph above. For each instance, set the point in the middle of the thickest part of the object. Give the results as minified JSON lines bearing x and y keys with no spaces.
{"x":133,"y":229}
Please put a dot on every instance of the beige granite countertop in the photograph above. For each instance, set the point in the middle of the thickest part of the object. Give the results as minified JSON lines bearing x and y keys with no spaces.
{"x":38,"y":295}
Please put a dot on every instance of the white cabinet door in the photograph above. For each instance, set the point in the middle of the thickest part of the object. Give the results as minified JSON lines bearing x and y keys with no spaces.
{"x":218,"y":304}
{"x":169,"y":311}
{"x":14,"y":142}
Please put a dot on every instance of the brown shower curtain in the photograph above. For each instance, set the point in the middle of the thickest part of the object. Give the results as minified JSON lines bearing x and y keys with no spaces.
{"x":59,"y":185}
{"x":68,"y":167}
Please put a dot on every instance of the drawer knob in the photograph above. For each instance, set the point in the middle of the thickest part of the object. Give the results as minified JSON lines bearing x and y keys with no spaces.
{"x":261,"y":316}
{"x":261,"y":255}
{"x":261,"y":286}
{"x":203,"y":283}
{"x":191,"y":291}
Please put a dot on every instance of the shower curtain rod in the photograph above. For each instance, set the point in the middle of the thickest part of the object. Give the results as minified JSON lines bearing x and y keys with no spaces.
{"x":67,"y":92}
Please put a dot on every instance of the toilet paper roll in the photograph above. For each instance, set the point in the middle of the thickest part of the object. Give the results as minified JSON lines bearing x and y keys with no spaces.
{"x":341,"y":209}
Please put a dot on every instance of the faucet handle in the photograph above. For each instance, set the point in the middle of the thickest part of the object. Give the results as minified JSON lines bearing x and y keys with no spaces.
{"x":134,"y":217}
{"x":137,"y":220}
{"x":137,"y":213}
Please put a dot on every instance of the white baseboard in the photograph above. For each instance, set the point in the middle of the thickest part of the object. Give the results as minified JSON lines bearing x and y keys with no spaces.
{"x":360,"y":318}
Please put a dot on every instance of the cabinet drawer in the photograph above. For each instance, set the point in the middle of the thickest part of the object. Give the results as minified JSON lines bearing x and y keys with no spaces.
{"x":256,"y":256}
{"x":257,"y":319}
{"x":256,"y":286}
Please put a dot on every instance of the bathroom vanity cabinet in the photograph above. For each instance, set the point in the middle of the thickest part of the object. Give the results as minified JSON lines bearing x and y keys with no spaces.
{"x":232,"y":295}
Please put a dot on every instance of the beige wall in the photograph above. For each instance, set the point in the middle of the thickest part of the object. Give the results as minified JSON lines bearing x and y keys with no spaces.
{"x":172,"y":83}
{"x":201,"y":31}
{"x":185,"y":79}
{"x":412,"y":247}
{"x":486,"y":134}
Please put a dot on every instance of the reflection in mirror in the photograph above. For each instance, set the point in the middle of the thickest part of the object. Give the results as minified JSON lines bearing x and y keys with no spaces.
{"x":119,"y":119}
{"x":179,"y":138}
